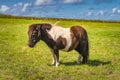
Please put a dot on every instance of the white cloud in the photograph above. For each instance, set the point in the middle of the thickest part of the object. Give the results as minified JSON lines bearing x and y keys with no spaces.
{"x":21,"y":7}
{"x":18,"y":4}
{"x":42,"y":2}
{"x":89,"y":14}
{"x":72,"y":1}
{"x":118,"y":10}
{"x":4,"y":8}
{"x":25,"y":6}
{"x":101,"y":12}
{"x":114,"y":10}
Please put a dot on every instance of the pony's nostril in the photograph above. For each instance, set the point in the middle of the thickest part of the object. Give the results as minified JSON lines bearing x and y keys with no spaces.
{"x":30,"y":45}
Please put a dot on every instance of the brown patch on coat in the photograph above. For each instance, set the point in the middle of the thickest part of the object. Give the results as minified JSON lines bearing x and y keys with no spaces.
{"x":74,"y":37}
{"x":61,"y":42}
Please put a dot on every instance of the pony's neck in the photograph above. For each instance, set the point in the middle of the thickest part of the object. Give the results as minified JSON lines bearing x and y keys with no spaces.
{"x":47,"y":39}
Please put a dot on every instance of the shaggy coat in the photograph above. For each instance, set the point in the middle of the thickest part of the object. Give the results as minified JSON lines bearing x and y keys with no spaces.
{"x":58,"y":38}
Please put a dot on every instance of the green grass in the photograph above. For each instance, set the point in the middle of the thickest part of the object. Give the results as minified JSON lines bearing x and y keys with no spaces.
{"x":19,"y":62}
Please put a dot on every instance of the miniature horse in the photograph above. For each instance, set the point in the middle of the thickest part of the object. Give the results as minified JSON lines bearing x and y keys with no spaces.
{"x":58,"y":38}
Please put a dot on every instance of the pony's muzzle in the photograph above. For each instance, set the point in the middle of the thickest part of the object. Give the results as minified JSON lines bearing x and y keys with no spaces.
{"x":30,"y":45}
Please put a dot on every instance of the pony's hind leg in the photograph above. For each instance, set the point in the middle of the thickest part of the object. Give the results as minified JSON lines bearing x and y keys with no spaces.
{"x":85,"y":55}
{"x":84,"y":59}
{"x":82,"y":54}
{"x":79,"y":59}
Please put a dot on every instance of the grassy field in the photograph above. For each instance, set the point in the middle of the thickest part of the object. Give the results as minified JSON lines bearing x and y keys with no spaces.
{"x":19,"y":62}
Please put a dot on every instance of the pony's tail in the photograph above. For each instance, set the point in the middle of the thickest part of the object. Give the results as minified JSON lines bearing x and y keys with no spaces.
{"x":85,"y":49}
{"x":56,"y":22}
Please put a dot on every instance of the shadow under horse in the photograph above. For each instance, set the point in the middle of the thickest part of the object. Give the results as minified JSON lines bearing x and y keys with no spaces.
{"x":90,"y":63}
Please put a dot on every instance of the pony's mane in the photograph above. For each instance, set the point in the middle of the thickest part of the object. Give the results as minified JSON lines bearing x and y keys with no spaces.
{"x":52,"y":24}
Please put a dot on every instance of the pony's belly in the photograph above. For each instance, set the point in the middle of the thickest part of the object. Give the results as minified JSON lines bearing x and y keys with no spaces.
{"x":65,"y":50}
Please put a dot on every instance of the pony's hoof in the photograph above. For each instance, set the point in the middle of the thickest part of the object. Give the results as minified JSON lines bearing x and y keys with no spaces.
{"x":53,"y":63}
{"x":79,"y":62}
{"x":57,"y":64}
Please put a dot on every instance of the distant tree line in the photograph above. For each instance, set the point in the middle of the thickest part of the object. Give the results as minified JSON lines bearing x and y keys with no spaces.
{"x":47,"y":18}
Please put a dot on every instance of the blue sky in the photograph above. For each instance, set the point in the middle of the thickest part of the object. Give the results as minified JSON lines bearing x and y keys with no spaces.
{"x":78,"y":9}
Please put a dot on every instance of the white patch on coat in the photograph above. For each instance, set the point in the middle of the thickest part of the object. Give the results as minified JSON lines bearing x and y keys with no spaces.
{"x":57,"y":31}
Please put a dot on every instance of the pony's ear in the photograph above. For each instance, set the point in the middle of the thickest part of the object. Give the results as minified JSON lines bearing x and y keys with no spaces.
{"x":46,"y":26}
{"x":39,"y":27}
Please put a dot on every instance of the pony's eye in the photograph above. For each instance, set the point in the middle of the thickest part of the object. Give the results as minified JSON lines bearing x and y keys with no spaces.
{"x":35,"y":32}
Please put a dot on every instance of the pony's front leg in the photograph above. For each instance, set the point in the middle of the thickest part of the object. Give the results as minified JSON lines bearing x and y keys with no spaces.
{"x":56,"y":57}
{"x":55,"y":54}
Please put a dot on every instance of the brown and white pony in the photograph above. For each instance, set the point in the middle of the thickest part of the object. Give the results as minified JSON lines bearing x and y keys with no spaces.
{"x":58,"y":38}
